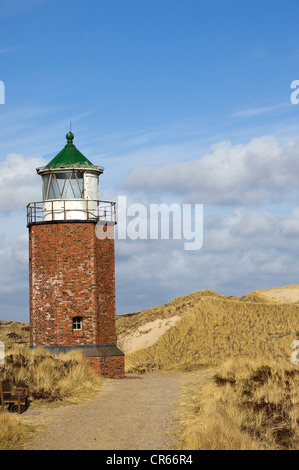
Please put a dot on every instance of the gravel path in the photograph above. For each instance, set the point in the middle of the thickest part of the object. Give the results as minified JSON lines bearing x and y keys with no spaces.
{"x":130,"y":414}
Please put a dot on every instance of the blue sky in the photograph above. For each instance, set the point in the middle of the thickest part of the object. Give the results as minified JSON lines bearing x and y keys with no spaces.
{"x":179,"y":100}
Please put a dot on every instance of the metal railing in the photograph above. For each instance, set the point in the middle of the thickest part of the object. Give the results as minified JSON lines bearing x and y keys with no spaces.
{"x":71,"y":209}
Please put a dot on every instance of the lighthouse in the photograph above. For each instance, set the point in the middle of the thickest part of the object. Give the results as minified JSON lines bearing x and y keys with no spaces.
{"x":71,"y":263}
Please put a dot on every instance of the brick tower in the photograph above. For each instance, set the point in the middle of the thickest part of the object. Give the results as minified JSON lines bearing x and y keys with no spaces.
{"x":71,"y":263}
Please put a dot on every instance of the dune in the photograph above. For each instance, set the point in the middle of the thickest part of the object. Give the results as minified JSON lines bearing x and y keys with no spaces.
{"x":282,"y":295}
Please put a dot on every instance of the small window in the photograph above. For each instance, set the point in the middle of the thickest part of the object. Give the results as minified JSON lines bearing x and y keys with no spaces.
{"x":77,"y":323}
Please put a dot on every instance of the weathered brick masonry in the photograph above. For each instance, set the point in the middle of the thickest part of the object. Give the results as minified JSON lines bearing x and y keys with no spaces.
{"x":72,"y":274}
{"x":111,"y":366}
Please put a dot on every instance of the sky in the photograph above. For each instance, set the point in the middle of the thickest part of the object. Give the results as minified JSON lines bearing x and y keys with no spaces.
{"x":182,"y":102}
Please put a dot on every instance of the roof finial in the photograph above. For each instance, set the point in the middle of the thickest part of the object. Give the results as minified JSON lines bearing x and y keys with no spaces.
{"x":70,"y":136}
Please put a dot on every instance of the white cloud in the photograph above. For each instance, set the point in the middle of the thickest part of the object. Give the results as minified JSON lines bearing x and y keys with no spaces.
{"x":291,"y":225}
{"x":14,"y":284}
{"x":14,"y":262}
{"x":259,"y":172}
{"x":19,"y":183}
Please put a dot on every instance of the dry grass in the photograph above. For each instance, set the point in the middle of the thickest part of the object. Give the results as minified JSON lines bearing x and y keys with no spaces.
{"x":62,"y":379}
{"x":244,"y":405}
{"x":215,"y":328}
{"x":14,"y":430}
{"x":178,"y":306}
{"x":65,"y":378}
{"x":14,"y":333}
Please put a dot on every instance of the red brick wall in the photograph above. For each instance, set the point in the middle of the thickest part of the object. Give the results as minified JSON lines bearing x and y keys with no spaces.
{"x":111,"y":367}
{"x":105,"y":269}
{"x":71,"y":274}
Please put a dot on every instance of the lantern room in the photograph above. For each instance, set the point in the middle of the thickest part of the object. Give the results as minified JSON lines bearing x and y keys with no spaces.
{"x":70,"y":189}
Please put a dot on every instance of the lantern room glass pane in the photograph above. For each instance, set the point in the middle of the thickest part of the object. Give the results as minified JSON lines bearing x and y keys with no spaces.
{"x":73,"y":188}
{"x":62,"y":181}
{"x":45,"y":186}
{"x":53,"y":192}
{"x":65,"y":186}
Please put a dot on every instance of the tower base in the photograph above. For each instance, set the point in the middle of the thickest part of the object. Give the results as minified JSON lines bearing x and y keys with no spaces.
{"x":105,"y":359}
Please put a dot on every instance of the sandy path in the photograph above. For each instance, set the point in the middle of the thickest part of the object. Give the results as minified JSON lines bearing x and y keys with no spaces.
{"x":131,"y":414}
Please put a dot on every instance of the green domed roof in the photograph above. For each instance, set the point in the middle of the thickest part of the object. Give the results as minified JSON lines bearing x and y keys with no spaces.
{"x":69,"y":156}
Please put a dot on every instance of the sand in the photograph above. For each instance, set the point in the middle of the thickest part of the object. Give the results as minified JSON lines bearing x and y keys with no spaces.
{"x":288,"y":294}
{"x":146,"y":335}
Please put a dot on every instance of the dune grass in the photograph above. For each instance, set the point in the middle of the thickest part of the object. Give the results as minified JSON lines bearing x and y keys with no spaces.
{"x":52,"y":380}
{"x":14,"y":430}
{"x":243,"y":405}
{"x":14,"y":333}
{"x":215,"y":328}
{"x":66,"y":378}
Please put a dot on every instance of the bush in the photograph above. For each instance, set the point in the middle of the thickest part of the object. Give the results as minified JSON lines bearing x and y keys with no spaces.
{"x":67,"y":377}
